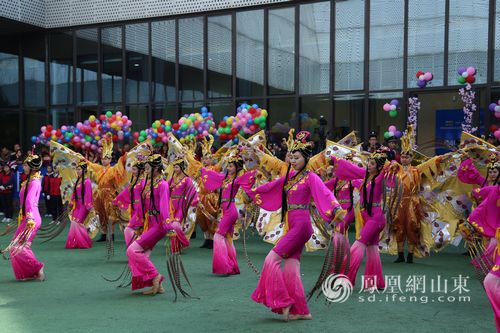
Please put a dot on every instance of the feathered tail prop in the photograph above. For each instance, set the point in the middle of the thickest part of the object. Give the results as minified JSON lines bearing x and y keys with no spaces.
{"x":481,"y":261}
{"x":18,"y":244}
{"x":55,"y":228}
{"x":337,"y":260}
{"x":110,"y":245}
{"x":125,"y":276}
{"x":251,"y":214}
{"x":175,"y":267}
{"x":9,"y":229}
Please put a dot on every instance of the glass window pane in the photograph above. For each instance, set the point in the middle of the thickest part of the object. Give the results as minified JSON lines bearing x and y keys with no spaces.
{"x":348,"y":113}
{"x":496,"y":68}
{"x":191,"y":59}
{"x":111,"y":43}
{"x":33,"y":119}
{"x":315,"y":48}
{"x":139,"y":116}
{"x":163,"y":53}
{"x":426,"y":40}
{"x":282,"y":117}
{"x":9,"y":127}
{"x":281,"y":51}
{"x":137,"y":50}
{"x":86,"y":112}
{"x":61,"y":116}
{"x":250,"y":53}
{"x":34,"y":70}
{"x":316,"y":117}
{"x":468,"y":41}
{"x":86,"y":66}
{"x":61,"y":68}
{"x":9,"y":72}
{"x":219,"y":56}
{"x":380,"y":120}
{"x":386,"y":44}
{"x":220,"y":109}
{"x":166,"y":112}
{"x":349,"y":44}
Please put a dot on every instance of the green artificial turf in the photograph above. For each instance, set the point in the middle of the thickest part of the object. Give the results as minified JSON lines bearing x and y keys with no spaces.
{"x":75,"y":297}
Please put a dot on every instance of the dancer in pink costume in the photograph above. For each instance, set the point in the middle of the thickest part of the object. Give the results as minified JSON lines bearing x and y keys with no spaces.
{"x":485,"y":219}
{"x":24,"y":262}
{"x":224,"y":261}
{"x":282,"y":290}
{"x":81,"y":204}
{"x":156,"y":199}
{"x":468,"y":174}
{"x":182,"y":195}
{"x":372,"y":188}
{"x":131,"y":198}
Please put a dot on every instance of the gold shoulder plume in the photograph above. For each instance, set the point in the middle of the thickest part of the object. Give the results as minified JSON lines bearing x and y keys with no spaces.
{"x":407,"y":141}
{"x":107,"y":146}
{"x":289,"y":141}
{"x":206,"y":145}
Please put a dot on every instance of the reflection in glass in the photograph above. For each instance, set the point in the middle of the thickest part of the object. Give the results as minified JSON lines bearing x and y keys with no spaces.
{"x":167,"y":112}
{"x":282,"y":117}
{"x":33,"y":119}
{"x":9,"y":72}
{"x":34,"y":70}
{"x":139,"y":115}
{"x":86,"y":66}
{"x":426,"y":40}
{"x":111,"y":42}
{"x":61,"y":116}
{"x":386,"y":44}
{"x":315,"y":48}
{"x":379,"y":120}
{"x":348,"y":111}
{"x":281,"y":50}
{"x":220,"y":109}
{"x":468,"y":40}
{"x":9,"y":127}
{"x":163,"y":53}
{"x":219,"y":56}
{"x":191,"y":59}
{"x":250,"y":52}
{"x":316,"y":118}
{"x":61,"y":67}
{"x":349,"y":44}
{"x":137,"y":49}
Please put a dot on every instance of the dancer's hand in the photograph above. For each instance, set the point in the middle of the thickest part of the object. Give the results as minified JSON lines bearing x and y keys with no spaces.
{"x":30,"y":223}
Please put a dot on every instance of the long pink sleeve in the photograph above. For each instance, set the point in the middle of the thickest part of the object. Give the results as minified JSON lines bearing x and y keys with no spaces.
{"x":211,"y":180}
{"x":122,"y":200}
{"x":325,"y":201}
{"x":88,"y":194}
{"x":269,"y":195}
{"x":246,"y":180}
{"x":330,"y":184}
{"x":31,"y":207}
{"x":164,"y":201}
{"x":468,"y":174}
{"x":348,"y":171}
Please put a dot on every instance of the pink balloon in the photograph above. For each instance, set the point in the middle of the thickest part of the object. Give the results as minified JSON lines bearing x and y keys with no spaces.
{"x":471,"y":70}
{"x":118,"y":114}
{"x":497,"y":114}
{"x":43,"y":128}
{"x":392,"y":128}
{"x":77,"y":139}
{"x":497,"y":134}
{"x":125,"y":118}
{"x":427,"y":76}
{"x":387,"y":107}
{"x":87,"y":144}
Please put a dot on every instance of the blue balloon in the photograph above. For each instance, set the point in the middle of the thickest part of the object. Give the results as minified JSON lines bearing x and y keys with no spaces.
{"x":126,"y":134}
{"x":59,"y":141}
{"x":210,"y":114}
{"x":204,"y":109}
{"x":250,"y":121}
{"x":225,"y":118}
{"x":244,"y":106}
{"x":235,"y":140}
{"x":255,"y":106}
{"x":77,"y":131}
{"x":33,"y":139}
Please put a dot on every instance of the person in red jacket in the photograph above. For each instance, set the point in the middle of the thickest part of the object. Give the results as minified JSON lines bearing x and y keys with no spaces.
{"x":46,"y":191}
{"x":55,"y":195}
{"x":6,"y":188}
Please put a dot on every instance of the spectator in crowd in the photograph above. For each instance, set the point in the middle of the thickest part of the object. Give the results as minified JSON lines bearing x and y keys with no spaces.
{"x":5,"y":155}
{"x":372,"y":144}
{"x":7,"y":182}
{"x":46,"y":188}
{"x":393,"y":153}
{"x":55,"y":194}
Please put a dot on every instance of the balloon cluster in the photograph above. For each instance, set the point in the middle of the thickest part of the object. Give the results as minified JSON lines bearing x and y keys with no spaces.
{"x":189,"y":127}
{"x":392,"y":108}
{"x":423,"y":78}
{"x":495,"y":107}
{"x":392,"y":131}
{"x":88,"y":134}
{"x":248,"y":120}
{"x":496,"y":131}
{"x":466,"y":75}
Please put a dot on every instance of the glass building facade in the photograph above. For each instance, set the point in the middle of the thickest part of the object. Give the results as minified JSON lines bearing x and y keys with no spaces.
{"x":300,"y":60}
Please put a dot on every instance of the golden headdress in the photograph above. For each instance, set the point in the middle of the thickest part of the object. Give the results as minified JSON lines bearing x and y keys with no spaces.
{"x":33,"y":160}
{"x":155,"y":160}
{"x":300,"y":143}
{"x":494,"y":161}
{"x":206,"y":145}
{"x":234,"y":156}
{"x":83,"y":164}
{"x":107,"y":146}
{"x":408,"y":141}
{"x":380,"y":156}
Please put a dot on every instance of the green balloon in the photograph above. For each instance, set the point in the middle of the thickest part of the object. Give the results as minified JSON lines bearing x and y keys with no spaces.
{"x":168,"y":128}
{"x":393,"y":113}
{"x":141,"y":138}
{"x":262,"y":124}
{"x":109,"y":114}
{"x":143,"y":133}
{"x":184,"y":127}
{"x":228,"y":130}
{"x":387,"y":135}
{"x":461,"y":79}
{"x":209,"y":122}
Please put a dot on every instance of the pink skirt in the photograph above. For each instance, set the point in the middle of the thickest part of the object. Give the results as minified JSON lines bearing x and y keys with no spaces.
{"x":78,"y":237}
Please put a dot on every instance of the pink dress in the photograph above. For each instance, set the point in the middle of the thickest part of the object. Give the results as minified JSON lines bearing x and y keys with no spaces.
{"x":24,"y":263}
{"x":224,"y":259}
{"x":123,"y":201}
{"x":182,"y":196}
{"x":374,"y":223}
{"x":343,"y":192}
{"x":486,"y":218}
{"x":278,"y":289}
{"x":78,"y":237}
{"x":156,"y":227}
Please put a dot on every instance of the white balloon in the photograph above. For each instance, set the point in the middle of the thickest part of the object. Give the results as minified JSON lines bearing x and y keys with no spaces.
{"x":497,"y":108}
{"x":465,"y":75}
{"x":421,"y":77}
